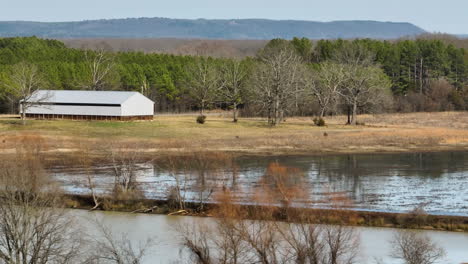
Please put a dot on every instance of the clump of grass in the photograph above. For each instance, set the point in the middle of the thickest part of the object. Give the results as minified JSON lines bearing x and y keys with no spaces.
{"x":201,"y":119}
{"x":318,"y":121}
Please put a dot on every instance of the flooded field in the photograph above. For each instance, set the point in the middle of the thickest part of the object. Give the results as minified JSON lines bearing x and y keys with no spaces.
{"x":375,"y":245}
{"x":378,"y":182}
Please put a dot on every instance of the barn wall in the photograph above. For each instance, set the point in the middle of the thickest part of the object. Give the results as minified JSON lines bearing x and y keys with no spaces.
{"x":75,"y":110}
{"x":138,"y":105}
{"x":89,"y":117}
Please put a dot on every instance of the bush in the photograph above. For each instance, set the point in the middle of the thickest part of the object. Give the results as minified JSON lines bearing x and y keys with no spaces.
{"x":319,"y":121}
{"x":201,"y":119}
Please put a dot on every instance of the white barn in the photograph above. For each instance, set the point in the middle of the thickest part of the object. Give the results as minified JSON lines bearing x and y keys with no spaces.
{"x":89,"y":105}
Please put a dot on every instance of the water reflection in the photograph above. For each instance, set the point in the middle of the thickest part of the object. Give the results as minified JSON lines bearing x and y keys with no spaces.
{"x":374,"y":241}
{"x":388,"y":182}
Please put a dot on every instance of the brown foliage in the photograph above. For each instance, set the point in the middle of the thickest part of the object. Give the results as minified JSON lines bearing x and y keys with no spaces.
{"x":234,"y":239}
{"x":282,"y":184}
{"x":440,"y":95}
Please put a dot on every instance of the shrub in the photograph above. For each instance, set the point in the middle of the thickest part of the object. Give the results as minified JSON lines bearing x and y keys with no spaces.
{"x":201,"y":119}
{"x":319,"y":121}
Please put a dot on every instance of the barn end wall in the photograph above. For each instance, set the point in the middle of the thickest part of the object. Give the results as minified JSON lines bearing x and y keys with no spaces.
{"x":138,"y":105}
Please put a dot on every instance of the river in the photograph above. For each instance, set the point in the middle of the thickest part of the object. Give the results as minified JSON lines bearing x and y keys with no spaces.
{"x":374,"y":241}
{"x":377,"y":182}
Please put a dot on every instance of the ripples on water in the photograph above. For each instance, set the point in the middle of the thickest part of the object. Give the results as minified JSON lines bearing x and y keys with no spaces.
{"x":380,"y":182}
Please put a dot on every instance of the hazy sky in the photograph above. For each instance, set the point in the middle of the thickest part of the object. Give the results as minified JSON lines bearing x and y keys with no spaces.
{"x":449,"y":16}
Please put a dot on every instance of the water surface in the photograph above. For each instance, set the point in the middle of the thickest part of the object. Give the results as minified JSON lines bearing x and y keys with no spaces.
{"x":378,"y":182}
{"x":374,"y":241}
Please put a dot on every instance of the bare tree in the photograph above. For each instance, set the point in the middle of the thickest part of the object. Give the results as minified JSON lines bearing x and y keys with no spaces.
{"x":416,"y":248}
{"x":34,"y":227}
{"x":179,"y":172}
{"x":232,"y":247}
{"x":110,"y":249}
{"x":365,"y":87}
{"x":100,"y":65}
{"x":342,"y":244}
{"x":84,"y":160}
{"x":304,"y":243}
{"x":233,"y":75}
{"x":204,"y":82}
{"x":276,"y":78}
{"x":124,"y":160}
{"x":221,"y":242}
{"x":21,"y":86}
{"x":198,"y":172}
{"x":196,"y":240}
{"x":233,"y":239}
{"x":325,"y":85}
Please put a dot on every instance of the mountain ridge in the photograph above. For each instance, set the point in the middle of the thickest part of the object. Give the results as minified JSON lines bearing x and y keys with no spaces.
{"x":255,"y":28}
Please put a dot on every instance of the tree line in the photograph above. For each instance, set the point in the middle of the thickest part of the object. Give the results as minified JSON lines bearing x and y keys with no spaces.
{"x":297,"y":77}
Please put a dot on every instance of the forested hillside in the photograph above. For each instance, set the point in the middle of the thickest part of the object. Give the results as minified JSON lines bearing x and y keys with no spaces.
{"x":207,"y":47}
{"x":211,"y":47}
{"x":422,"y":75}
{"x":208,"y":29}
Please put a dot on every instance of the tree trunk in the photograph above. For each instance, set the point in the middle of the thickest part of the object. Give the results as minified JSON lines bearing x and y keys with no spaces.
{"x":23,"y":114}
{"x":349,"y":116}
{"x":277,"y":112}
{"x":269,"y":114}
{"x":354,"y":115}
{"x":322,"y":112}
{"x":202,"y":108}
{"x":234,"y":113}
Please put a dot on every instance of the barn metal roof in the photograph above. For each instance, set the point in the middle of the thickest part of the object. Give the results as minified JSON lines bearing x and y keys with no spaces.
{"x":81,"y":97}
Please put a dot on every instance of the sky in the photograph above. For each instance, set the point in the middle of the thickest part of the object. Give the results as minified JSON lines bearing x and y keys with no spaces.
{"x":448,"y":16}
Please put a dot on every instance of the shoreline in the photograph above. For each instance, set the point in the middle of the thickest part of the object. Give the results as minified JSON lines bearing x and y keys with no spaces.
{"x":262,"y":153}
{"x":362,"y":218}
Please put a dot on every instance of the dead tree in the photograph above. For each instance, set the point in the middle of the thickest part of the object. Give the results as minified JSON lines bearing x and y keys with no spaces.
{"x":233,"y":75}
{"x":203,"y":81}
{"x":276,"y":79}
{"x":84,"y":161}
{"x":324,"y":85}
{"x":22,"y":84}
{"x":365,"y":87}
{"x":196,"y":239}
{"x":124,"y":160}
{"x":342,"y":244}
{"x":111,"y":249}
{"x":416,"y":248}
{"x":100,"y":65}
{"x":34,"y":227}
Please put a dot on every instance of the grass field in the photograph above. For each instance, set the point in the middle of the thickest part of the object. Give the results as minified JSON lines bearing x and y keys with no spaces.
{"x":381,"y":133}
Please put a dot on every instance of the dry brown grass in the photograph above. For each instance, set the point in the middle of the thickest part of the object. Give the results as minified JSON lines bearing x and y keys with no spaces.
{"x":381,"y":133}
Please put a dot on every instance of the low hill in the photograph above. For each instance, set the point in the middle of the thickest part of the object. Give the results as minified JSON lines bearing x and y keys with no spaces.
{"x":209,"y":29}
